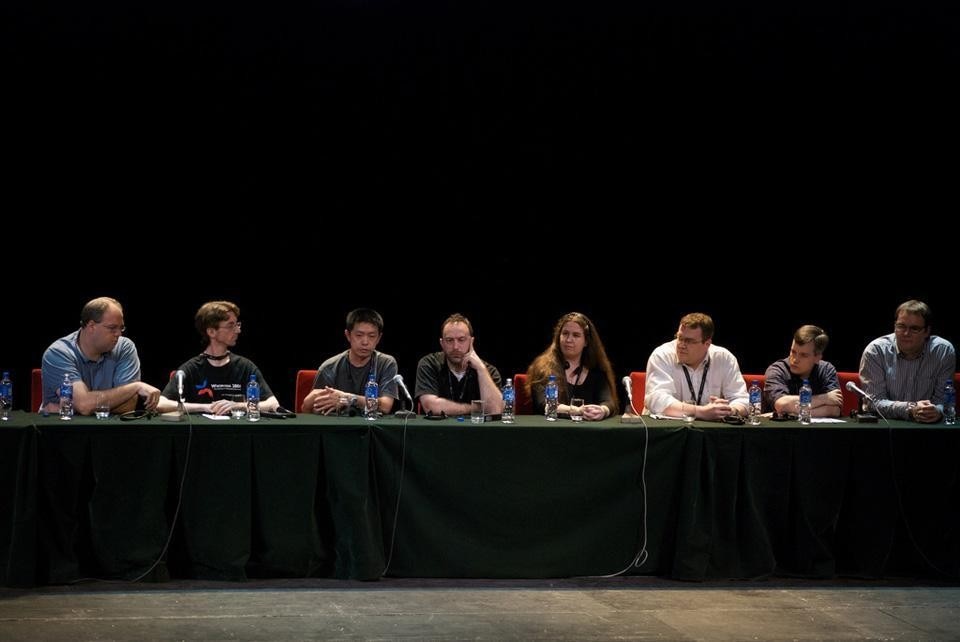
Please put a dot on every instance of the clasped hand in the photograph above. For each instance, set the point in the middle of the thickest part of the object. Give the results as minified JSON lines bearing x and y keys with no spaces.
{"x":925,"y":412}
{"x":717,"y":409}
{"x":593,"y":412}
{"x":326,"y":401}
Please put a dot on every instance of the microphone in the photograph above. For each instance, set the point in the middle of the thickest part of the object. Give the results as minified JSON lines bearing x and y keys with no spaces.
{"x":398,"y":378}
{"x":852,"y":387}
{"x":629,"y":387}
{"x":865,"y":417}
{"x":180,"y":376}
{"x":630,"y":415}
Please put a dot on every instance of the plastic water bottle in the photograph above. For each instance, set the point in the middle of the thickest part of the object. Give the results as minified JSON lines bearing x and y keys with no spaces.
{"x":66,"y":398}
{"x":253,"y":399}
{"x":371,"y":396}
{"x":6,"y":396}
{"x":756,"y":396}
{"x":949,"y":404}
{"x":806,"y":399}
{"x":552,"y":398}
{"x":508,"y":399}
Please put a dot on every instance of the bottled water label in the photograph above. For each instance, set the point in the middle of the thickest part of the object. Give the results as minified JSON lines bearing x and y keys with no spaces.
{"x":6,"y":397}
{"x":551,"y":398}
{"x":806,"y":397}
{"x":372,"y":402}
{"x":66,"y":399}
{"x":949,"y":404}
{"x":755,"y":404}
{"x":253,"y":400}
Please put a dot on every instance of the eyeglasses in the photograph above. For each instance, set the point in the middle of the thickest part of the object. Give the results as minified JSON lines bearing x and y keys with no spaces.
{"x":688,"y":341}
{"x":231,"y":326}
{"x":903,"y":328}
{"x":114,"y":329}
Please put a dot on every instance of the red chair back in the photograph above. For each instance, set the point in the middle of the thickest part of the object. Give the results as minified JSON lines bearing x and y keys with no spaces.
{"x":851,"y":401}
{"x":522,"y":403}
{"x":750,"y":378}
{"x":303,"y":387}
{"x":36,"y":389}
{"x":638,"y":388}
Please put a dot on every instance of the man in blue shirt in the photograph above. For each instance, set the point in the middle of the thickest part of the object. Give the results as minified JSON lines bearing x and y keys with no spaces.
{"x":905,"y":371}
{"x":98,"y":360}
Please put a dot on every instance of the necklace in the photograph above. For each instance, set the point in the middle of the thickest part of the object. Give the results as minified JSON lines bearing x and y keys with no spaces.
{"x":216,"y":357}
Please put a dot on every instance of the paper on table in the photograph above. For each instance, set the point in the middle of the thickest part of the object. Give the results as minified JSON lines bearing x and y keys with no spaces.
{"x":826,"y":420}
{"x":217,"y":417}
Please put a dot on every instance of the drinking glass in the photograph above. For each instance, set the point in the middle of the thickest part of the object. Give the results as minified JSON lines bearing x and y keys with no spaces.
{"x":476,"y":411}
{"x":102,"y":409}
{"x":576,"y":409}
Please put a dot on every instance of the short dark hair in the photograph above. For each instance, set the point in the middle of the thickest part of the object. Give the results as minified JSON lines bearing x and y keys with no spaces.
{"x":456,"y":317}
{"x":364,"y":315}
{"x":915,"y":307}
{"x":811,"y":333}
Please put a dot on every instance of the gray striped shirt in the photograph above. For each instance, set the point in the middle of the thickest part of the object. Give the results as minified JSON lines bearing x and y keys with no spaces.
{"x":894,"y":380}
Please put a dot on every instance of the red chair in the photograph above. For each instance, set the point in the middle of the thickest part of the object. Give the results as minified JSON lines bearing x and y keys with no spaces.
{"x":522,"y":402}
{"x":638,"y":388}
{"x":750,"y":378}
{"x":36,"y":389}
{"x":303,"y":387}
{"x":851,"y":401}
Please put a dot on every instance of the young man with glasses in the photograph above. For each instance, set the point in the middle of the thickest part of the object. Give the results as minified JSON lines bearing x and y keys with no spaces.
{"x":905,"y":372}
{"x":98,"y":360}
{"x":690,"y":371}
{"x":449,"y":380}
{"x":215,"y":381}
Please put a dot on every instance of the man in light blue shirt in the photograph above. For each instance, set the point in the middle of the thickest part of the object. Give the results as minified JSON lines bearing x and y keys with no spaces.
{"x":905,"y":372}
{"x":97,"y":360}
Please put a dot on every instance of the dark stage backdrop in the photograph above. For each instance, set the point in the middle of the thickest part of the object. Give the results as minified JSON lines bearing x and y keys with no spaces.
{"x":293,"y":310}
{"x":528,"y":158}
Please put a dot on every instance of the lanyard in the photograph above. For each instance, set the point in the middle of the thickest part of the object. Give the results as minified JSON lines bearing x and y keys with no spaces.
{"x":703,"y":381}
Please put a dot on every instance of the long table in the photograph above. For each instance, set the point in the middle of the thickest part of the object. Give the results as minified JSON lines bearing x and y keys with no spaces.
{"x":344,"y":497}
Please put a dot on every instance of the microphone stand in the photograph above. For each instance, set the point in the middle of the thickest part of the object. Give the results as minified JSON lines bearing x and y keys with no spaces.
{"x":405,"y":414}
{"x":181,"y":409}
{"x":869,"y":417}
{"x":180,"y":414}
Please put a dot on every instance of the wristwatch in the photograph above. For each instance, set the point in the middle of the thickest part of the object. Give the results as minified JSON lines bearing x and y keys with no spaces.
{"x":353,"y":401}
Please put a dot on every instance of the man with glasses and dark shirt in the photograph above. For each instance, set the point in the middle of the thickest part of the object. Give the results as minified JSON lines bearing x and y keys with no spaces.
{"x":691,"y":370}
{"x":448,"y":381}
{"x":215,"y":381}
{"x":905,"y":372}
{"x":99,"y":361}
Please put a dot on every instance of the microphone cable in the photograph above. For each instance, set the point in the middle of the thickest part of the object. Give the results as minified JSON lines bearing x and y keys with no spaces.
{"x":176,"y":511}
{"x":173,"y":521}
{"x":642,"y":554}
{"x":396,"y":510}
